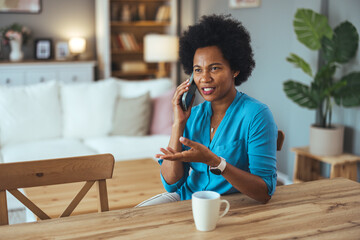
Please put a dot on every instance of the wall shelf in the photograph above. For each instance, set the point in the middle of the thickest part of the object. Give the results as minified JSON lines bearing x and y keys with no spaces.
{"x":140,"y":24}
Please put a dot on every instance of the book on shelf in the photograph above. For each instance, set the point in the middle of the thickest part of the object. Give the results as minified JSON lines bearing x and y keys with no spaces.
{"x":133,"y":66}
{"x":163,"y":13}
{"x":115,"y":9}
{"x":126,"y":13}
{"x":125,"y":41}
{"x":142,"y":11}
{"x":114,"y":43}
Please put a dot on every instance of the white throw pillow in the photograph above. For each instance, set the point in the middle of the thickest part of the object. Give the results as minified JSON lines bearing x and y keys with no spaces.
{"x":132,"y":116}
{"x":29,"y":113}
{"x":88,"y":108}
{"x":132,"y":89}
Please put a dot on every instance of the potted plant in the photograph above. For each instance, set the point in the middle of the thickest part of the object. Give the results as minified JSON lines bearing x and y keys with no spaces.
{"x":336,"y":47}
{"x":15,"y":35}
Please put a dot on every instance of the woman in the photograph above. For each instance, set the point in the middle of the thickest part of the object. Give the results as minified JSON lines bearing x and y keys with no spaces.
{"x":229,"y":141}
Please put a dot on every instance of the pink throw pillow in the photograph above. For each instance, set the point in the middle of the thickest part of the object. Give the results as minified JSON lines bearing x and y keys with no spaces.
{"x":162,"y":116}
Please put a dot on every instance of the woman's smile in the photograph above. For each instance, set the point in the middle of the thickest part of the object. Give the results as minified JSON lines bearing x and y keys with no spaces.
{"x":208,"y":90}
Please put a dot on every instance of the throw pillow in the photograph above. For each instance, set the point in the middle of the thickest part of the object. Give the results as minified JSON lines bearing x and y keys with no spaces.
{"x":132,"y":116}
{"x":162,"y":116}
{"x":29,"y":113}
{"x":88,"y":108}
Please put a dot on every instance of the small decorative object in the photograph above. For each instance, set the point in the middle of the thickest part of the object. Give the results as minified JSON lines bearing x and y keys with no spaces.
{"x":244,"y":3}
{"x":20,"y":6}
{"x":142,"y":12}
{"x":133,"y":66}
{"x":126,"y":13}
{"x":15,"y":35}
{"x":62,"y":51}
{"x":77,"y":46}
{"x":336,"y":47}
{"x":43,"y":49}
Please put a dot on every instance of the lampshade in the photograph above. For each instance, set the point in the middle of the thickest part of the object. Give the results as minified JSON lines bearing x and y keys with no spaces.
{"x":77,"y":45}
{"x":160,"y":48}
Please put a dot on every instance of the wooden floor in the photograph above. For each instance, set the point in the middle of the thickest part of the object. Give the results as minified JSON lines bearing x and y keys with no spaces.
{"x":133,"y":182}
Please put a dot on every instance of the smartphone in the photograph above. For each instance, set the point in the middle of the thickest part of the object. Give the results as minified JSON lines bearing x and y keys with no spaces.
{"x":189,"y":95}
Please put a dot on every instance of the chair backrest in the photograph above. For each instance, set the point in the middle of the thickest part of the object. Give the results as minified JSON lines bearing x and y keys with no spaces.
{"x":89,"y":169}
{"x":280,"y":140}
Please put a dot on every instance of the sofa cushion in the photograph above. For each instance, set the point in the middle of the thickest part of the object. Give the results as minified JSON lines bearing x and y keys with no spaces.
{"x":162,"y":115}
{"x":88,"y":108}
{"x":29,"y":113}
{"x":132,"y":116}
{"x":131,"y":89}
{"x":39,"y":150}
{"x":129,"y":148}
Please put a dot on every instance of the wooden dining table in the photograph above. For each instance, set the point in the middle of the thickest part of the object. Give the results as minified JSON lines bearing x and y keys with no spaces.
{"x":323,"y":209}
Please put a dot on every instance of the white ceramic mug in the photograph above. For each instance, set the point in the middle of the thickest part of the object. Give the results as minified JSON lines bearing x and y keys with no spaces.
{"x":206,"y":208}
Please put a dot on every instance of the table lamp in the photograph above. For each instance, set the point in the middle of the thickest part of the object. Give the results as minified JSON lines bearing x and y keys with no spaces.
{"x":161,"y":48}
{"x":77,"y":45}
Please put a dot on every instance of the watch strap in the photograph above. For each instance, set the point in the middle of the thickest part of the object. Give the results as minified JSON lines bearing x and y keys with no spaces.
{"x":220,"y":168}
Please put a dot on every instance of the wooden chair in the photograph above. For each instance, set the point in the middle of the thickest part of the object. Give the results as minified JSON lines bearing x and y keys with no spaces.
{"x":279,"y":144}
{"x":280,"y":140}
{"x":89,"y":169}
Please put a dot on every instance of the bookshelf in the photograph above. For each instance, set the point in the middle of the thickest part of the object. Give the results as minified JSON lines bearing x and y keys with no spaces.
{"x":120,"y":28}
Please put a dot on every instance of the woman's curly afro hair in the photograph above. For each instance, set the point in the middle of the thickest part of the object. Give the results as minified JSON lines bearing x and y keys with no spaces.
{"x":228,"y":34}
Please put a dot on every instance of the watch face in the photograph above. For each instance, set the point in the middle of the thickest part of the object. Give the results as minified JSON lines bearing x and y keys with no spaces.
{"x":216,"y":171}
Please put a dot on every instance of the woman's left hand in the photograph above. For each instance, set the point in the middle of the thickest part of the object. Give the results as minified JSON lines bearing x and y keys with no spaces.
{"x":196,"y":153}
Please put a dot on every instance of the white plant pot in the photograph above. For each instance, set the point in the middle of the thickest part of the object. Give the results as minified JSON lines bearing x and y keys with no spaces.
{"x":16,"y":53}
{"x":326,"y":141}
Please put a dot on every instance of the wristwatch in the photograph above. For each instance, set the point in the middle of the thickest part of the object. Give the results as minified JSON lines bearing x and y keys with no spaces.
{"x":220,"y":168}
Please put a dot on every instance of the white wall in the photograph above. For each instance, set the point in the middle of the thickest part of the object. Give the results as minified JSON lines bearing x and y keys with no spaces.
{"x":340,"y":11}
{"x":58,"y":20}
{"x":273,"y":38}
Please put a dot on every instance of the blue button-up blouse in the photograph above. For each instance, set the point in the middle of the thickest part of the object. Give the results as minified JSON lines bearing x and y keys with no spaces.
{"x":246,"y":138}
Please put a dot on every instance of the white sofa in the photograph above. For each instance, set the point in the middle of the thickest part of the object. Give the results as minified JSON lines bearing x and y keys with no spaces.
{"x":51,"y":120}
{"x":129,"y":119}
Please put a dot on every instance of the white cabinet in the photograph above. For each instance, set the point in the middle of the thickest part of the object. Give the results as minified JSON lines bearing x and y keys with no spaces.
{"x":39,"y":75}
{"x":35,"y":72}
{"x":78,"y":75}
{"x":11,"y":77}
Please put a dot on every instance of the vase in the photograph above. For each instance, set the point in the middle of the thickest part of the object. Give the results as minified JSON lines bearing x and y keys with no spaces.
{"x":327,"y":141}
{"x":16,"y":53}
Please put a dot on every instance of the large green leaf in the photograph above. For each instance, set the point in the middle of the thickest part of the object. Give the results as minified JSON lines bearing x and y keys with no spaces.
{"x":300,"y":63}
{"x":349,"y":95}
{"x":310,"y":27}
{"x":344,"y":44}
{"x":324,"y":77}
{"x":300,"y":94}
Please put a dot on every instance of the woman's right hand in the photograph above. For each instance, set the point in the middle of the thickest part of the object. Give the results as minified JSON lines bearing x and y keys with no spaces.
{"x":180,"y":116}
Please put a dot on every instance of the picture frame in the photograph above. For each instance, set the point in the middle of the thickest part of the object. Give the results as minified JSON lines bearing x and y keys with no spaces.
{"x":244,"y":3}
{"x":43,"y":49}
{"x":21,"y":6}
{"x":62,"y":50}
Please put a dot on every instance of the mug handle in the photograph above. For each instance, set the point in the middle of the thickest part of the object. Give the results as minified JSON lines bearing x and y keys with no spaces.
{"x":226,"y":209}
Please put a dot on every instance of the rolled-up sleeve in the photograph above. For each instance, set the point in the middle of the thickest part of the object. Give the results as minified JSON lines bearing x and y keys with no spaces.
{"x":176,"y":186}
{"x":262,"y":148}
